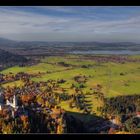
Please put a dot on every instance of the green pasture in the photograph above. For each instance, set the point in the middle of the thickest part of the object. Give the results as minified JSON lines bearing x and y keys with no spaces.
{"x":41,"y":67}
{"x":106,"y":74}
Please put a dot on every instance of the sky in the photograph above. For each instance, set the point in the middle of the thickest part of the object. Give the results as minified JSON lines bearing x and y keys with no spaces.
{"x":71,"y":23}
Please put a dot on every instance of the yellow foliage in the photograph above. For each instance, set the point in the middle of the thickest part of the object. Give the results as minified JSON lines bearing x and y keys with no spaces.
{"x":122,"y":132}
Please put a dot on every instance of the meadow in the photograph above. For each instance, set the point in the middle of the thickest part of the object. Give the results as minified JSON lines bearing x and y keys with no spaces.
{"x":116,"y":79}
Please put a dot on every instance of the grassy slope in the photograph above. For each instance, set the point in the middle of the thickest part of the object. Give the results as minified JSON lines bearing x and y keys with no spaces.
{"x":107,"y":74}
{"x":13,"y":84}
{"x":42,"y":67}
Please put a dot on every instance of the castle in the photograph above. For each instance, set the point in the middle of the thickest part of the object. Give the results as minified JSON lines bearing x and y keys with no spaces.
{"x":12,"y":104}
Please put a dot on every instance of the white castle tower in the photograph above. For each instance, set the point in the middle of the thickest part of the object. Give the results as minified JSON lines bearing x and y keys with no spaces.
{"x":14,"y":103}
{"x":0,"y":107}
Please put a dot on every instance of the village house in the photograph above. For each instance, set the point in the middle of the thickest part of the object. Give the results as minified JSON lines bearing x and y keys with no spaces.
{"x":138,"y":114}
{"x":115,"y":121}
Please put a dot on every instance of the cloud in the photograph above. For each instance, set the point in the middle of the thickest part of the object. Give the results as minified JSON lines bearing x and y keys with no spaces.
{"x":25,"y":25}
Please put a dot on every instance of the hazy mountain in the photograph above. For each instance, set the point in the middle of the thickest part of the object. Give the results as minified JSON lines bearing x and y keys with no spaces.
{"x":7,"y":42}
{"x":67,"y":45}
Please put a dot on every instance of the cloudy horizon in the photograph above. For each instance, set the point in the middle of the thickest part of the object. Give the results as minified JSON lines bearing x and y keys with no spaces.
{"x":70,"y":23}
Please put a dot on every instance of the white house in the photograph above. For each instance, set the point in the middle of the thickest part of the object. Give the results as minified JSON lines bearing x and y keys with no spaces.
{"x":138,"y":114}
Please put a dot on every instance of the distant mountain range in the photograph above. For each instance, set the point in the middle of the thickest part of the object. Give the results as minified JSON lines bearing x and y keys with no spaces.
{"x":74,"y":45}
{"x":7,"y":42}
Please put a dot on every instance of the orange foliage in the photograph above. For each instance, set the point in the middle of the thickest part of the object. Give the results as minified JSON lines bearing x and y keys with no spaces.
{"x":24,"y":118}
{"x":26,"y":98}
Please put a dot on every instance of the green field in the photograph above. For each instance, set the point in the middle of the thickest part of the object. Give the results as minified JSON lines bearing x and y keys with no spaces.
{"x":106,"y":74}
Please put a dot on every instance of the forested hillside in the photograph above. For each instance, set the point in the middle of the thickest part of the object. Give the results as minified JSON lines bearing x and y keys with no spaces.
{"x":8,"y":59}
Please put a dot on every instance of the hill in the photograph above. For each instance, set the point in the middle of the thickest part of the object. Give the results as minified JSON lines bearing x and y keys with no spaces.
{"x":10,"y":59}
{"x":7,"y":42}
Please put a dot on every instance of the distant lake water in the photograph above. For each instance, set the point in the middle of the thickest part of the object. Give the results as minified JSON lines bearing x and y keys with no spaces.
{"x":129,"y":52}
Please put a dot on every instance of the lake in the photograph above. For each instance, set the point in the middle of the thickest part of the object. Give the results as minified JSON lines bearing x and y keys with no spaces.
{"x":117,"y":52}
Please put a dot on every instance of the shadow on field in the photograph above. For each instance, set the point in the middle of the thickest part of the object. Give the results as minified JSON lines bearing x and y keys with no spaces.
{"x":86,"y":123}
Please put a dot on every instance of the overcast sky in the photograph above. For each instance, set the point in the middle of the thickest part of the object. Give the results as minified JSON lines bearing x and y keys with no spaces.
{"x":70,"y":23}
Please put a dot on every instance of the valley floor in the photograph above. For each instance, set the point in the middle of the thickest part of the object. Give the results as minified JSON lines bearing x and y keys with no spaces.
{"x":117,"y":76}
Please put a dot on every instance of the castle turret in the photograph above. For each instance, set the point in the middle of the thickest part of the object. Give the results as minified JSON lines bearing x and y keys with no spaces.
{"x":14,"y":101}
